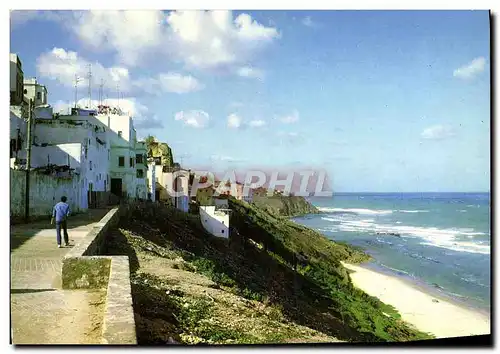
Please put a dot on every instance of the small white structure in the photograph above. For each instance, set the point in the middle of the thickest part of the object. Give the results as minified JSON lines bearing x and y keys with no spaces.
{"x":35,"y":91}
{"x":215,"y":220}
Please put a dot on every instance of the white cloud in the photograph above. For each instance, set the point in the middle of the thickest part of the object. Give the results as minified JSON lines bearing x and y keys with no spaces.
{"x":437,"y":132}
{"x":222,"y":158}
{"x":194,"y":118}
{"x":131,"y":33}
{"x":234,"y":121}
{"x":212,"y":39}
{"x":291,"y":118}
{"x":169,"y":82}
{"x":257,"y":123}
{"x":472,"y":69}
{"x":197,"y":38}
{"x":62,"y":66}
{"x":249,"y":72}
{"x":307,"y":21}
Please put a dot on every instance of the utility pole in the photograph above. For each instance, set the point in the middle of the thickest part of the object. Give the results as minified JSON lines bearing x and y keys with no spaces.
{"x":28,"y":164}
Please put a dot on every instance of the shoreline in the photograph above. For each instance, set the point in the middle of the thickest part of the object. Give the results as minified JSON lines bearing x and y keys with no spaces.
{"x":430,"y":289}
{"x":428,"y":311}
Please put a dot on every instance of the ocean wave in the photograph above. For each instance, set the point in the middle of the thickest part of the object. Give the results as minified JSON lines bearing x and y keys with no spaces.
{"x":460,"y":246}
{"x":448,"y":238}
{"x":398,"y":271}
{"x":413,"y":211}
{"x":355,"y":211}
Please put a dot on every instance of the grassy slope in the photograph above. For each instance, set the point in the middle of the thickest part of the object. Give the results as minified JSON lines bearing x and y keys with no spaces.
{"x":289,"y":270}
{"x":284,"y":206}
{"x":318,"y":259}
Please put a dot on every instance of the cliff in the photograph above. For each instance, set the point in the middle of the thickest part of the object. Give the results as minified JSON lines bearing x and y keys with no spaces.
{"x":278,"y":205}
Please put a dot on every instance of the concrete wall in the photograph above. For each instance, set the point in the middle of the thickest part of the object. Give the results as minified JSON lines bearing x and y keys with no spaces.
{"x":215,"y":222}
{"x":84,"y":268}
{"x":45,"y":192}
{"x":62,"y":154}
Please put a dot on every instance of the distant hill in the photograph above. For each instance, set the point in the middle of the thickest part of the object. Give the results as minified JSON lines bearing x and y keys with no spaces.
{"x":279,"y":205}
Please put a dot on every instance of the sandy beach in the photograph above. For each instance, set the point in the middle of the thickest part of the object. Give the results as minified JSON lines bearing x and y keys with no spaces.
{"x":442,"y":318}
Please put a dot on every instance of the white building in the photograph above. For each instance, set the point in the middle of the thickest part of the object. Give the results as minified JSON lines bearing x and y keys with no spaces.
{"x":16,"y":80}
{"x":35,"y":91}
{"x":123,"y":156}
{"x":76,"y":142}
{"x":215,"y":220}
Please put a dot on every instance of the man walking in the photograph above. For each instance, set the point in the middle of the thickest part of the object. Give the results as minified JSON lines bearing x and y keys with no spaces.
{"x":60,"y":214}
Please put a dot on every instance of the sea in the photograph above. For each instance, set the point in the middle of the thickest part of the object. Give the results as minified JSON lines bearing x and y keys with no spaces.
{"x":437,"y":240}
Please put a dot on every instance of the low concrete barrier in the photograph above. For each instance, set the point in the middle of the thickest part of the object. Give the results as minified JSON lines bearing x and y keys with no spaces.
{"x":84,"y":268}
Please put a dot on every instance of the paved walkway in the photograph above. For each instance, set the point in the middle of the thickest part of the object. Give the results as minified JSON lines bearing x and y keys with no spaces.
{"x":41,"y":312}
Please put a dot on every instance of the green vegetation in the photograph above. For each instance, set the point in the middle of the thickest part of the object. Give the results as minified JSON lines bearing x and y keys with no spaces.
{"x":85,"y":273}
{"x":273,"y":281}
{"x":278,"y":205}
{"x":160,"y":149}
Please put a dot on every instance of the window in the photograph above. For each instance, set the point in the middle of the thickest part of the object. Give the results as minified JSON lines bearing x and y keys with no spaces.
{"x":131,"y":162}
{"x":38,"y":95}
{"x":90,"y":164}
{"x":120,"y":133}
{"x":25,"y":91}
{"x":121,"y":161}
{"x":140,"y":173}
{"x":138,"y":158}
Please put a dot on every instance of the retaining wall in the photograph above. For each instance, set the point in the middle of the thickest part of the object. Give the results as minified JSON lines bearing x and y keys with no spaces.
{"x":84,"y":268}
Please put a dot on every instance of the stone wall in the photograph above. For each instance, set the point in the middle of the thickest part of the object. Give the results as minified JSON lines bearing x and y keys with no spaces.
{"x":84,"y":268}
{"x":45,"y":192}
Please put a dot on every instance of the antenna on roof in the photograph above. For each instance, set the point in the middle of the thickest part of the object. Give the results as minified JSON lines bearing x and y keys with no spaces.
{"x":89,"y":77}
{"x":101,"y":92}
{"x":77,"y":80}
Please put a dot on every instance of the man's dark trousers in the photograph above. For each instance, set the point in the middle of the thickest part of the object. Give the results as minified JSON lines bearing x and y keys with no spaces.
{"x":63,"y":225}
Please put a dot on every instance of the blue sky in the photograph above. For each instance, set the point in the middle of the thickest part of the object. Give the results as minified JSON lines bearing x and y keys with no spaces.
{"x":383,"y":100}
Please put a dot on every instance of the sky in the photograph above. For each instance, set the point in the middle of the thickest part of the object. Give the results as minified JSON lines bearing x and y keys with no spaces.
{"x":384,"y":101}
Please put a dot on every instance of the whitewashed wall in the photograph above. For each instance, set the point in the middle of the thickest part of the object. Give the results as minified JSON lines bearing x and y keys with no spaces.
{"x":57,"y":154}
{"x":45,"y":192}
{"x":216,"y":223}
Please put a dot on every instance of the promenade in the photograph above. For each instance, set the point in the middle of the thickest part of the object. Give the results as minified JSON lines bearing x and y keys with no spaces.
{"x":41,"y":312}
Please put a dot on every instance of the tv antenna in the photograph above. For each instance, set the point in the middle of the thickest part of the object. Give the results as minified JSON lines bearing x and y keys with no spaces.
{"x":89,"y":77}
{"x":77,"y":80}
{"x":101,"y":93}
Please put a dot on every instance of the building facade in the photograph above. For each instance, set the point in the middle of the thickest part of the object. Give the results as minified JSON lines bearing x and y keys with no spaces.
{"x":16,"y":80}
{"x":123,"y":156}
{"x":35,"y":91}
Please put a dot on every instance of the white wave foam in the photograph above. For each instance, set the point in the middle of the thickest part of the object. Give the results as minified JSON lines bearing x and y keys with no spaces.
{"x":460,"y":246}
{"x":356,"y":211}
{"x":413,"y":211}
{"x":432,"y":236}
